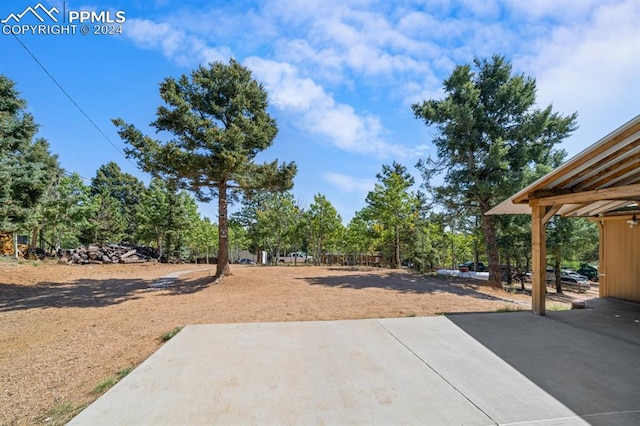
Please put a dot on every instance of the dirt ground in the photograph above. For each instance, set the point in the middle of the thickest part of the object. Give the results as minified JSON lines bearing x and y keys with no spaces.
{"x":65,"y":329}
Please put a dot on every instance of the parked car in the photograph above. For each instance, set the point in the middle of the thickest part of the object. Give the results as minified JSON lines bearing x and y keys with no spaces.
{"x":295,"y":257}
{"x":246,"y":262}
{"x":589,"y":272}
{"x":470,"y":266}
{"x":569,"y":280}
{"x":571,"y":272}
{"x":575,"y":282}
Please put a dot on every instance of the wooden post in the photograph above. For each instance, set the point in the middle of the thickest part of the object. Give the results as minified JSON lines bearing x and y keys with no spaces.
{"x":539,"y":257}
{"x":603,"y":289}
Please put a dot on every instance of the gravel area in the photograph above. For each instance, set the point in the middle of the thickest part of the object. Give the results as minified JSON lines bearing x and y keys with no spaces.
{"x":65,"y":329}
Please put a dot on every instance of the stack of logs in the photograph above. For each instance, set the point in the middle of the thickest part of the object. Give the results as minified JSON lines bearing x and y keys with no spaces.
{"x":109,"y":253}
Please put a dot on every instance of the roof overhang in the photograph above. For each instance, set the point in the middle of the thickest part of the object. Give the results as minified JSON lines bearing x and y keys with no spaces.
{"x":603,"y":179}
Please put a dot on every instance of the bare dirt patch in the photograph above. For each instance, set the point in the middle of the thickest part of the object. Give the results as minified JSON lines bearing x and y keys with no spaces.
{"x":64,"y":329}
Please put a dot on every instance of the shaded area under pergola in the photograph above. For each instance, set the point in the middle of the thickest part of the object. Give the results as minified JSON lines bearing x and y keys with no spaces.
{"x":602,"y":183}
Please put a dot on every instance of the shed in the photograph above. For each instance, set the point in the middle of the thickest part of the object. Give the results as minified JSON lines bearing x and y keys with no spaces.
{"x":601,"y":183}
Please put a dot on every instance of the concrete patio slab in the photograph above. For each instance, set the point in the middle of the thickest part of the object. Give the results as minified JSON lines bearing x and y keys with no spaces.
{"x":388,"y":371}
{"x":587,"y":359}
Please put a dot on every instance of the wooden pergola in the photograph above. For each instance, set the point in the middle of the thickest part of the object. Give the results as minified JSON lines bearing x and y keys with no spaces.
{"x":602,"y":183}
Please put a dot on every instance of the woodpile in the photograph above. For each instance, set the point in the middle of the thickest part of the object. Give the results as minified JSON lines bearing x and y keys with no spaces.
{"x":6,"y":244}
{"x":109,"y":253}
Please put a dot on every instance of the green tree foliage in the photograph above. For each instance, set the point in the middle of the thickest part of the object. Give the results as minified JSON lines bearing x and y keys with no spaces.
{"x":219,"y":122}
{"x":203,"y":240}
{"x":65,"y":211}
{"x":27,"y":168}
{"x":569,"y":239}
{"x":323,"y":227}
{"x":106,"y":222}
{"x":126,"y":189}
{"x":514,"y":242}
{"x":184,"y":215}
{"x":489,"y":136}
{"x":425,"y":248}
{"x":451,"y":244}
{"x":394,"y":208}
{"x":247,"y":217}
{"x":153,"y":220}
{"x":238,"y":238}
{"x":359,"y":238}
{"x":271,"y":220}
{"x":276,"y":222}
{"x":165,"y":218}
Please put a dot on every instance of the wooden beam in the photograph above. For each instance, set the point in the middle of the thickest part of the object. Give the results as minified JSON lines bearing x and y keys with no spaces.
{"x":595,"y":208}
{"x":605,"y":168}
{"x":539,"y":258}
{"x":614,"y":217}
{"x":611,"y":174}
{"x":573,"y":210}
{"x":619,"y":192}
{"x":546,"y":193}
{"x":550,"y":213}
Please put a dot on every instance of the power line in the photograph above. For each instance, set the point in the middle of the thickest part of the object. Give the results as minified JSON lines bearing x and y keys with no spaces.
{"x":72,"y":100}
{"x":68,"y":173}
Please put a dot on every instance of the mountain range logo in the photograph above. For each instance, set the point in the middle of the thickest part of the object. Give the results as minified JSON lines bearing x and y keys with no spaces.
{"x":38,"y":10}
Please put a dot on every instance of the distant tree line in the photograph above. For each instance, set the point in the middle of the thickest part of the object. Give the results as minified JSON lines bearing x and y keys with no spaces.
{"x":490,"y":137}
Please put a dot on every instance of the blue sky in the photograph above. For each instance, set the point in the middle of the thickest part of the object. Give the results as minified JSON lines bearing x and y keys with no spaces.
{"x":341,"y":75}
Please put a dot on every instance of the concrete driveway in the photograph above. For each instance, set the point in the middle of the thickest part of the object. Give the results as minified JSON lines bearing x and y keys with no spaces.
{"x":475,"y":369}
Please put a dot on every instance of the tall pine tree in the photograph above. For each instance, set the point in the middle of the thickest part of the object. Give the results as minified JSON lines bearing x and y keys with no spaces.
{"x":489,"y":133}
{"x":27,"y":168}
{"x":219,"y":122}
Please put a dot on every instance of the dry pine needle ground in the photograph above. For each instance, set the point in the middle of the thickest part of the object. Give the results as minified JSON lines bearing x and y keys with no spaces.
{"x":66,"y":329}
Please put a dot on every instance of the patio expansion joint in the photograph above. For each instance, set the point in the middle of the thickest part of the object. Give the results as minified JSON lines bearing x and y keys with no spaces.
{"x":430,"y":367}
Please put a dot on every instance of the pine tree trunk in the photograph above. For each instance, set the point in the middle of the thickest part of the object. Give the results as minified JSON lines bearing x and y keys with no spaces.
{"x":34,"y":237}
{"x":495,"y":274}
{"x":222,"y":267}
{"x":556,"y":270}
{"x":396,"y":259}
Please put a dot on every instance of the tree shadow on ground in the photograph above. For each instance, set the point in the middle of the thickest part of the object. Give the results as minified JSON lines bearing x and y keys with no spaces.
{"x":91,"y":293}
{"x":405,"y":283}
{"x":187,"y":286}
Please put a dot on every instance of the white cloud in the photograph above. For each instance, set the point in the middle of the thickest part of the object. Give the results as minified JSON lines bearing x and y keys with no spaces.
{"x":315,"y":110}
{"x":319,"y":113}
{"x":289,"y":90}
{"x":592,"y":67}
{"x":344,"y":38}
{"x":583,"y":54}
{"x":349,"y":183}
{"x":566,"y":10}
{"x":175,"y":43}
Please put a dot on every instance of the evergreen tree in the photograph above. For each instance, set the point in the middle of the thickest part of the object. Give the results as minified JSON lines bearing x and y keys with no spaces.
{"x":165,"y":218}
{"x":27,"y":168}
{"x":394,"y":208}
{"x":272,"y":221}
{"x":65,"y":211}
{"x":106,"y":223}
{"x":218,"y":117}
{"x":359,"y":237}
{"x":569,"y":239}
{"x":489,"y":135}
{"x":324,"y":226}
{"x":125,"y":188}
